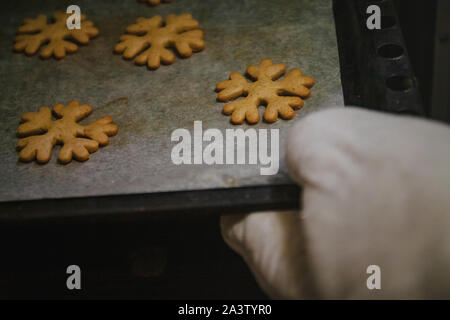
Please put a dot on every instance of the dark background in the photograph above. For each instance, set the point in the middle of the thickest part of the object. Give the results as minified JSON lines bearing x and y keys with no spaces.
{"x":419,"y":41}
{"x":159,"y":259}
{"x":426,"y":31}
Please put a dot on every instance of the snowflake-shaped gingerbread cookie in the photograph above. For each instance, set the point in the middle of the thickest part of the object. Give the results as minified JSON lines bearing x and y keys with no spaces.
{"x":41,"y":133}
{"x":148,"y":40}
{"x":281,"y":97}
{"x":37,"y":32}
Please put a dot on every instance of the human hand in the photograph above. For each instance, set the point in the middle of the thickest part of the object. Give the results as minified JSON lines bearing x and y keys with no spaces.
{"x":376,"y":191}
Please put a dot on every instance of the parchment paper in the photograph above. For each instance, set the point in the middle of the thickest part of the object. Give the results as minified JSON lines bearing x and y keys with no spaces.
{"x":148,"y":105}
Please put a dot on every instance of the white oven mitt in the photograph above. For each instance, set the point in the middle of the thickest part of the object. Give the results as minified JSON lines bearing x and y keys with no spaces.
{"x":376,"y":191}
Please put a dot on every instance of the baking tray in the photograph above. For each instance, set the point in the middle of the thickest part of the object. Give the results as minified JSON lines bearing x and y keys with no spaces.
{"x":134,"y":174}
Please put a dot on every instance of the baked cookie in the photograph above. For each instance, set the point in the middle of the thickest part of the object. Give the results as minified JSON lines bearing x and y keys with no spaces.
{"x":42,"y":133}
{"x":155,"y":2}
{"x":281,"y":97}
{"x":149,"y":39}
{"x":37,"y":32}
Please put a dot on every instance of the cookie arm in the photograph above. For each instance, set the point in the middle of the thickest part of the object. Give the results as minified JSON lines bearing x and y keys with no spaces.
{"x":244,"y":109}
{"x":101,"y":130}
{"x":35,"y":122}
{"x":296,"y":84}
{"x":86,"y":32}
{"x":36,"y":147}
{"x":233,"y":88}
{"x":73,"y":111}
{"x":188,"y":42}
{"x":183,"y":22}
{"x":78,"y":148}
{"x":266,"y":70}
{"x":33,"y":25}
{"x":282,"y":106}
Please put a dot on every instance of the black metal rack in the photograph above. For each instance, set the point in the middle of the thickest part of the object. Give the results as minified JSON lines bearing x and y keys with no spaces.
{"x":375,"y":68}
